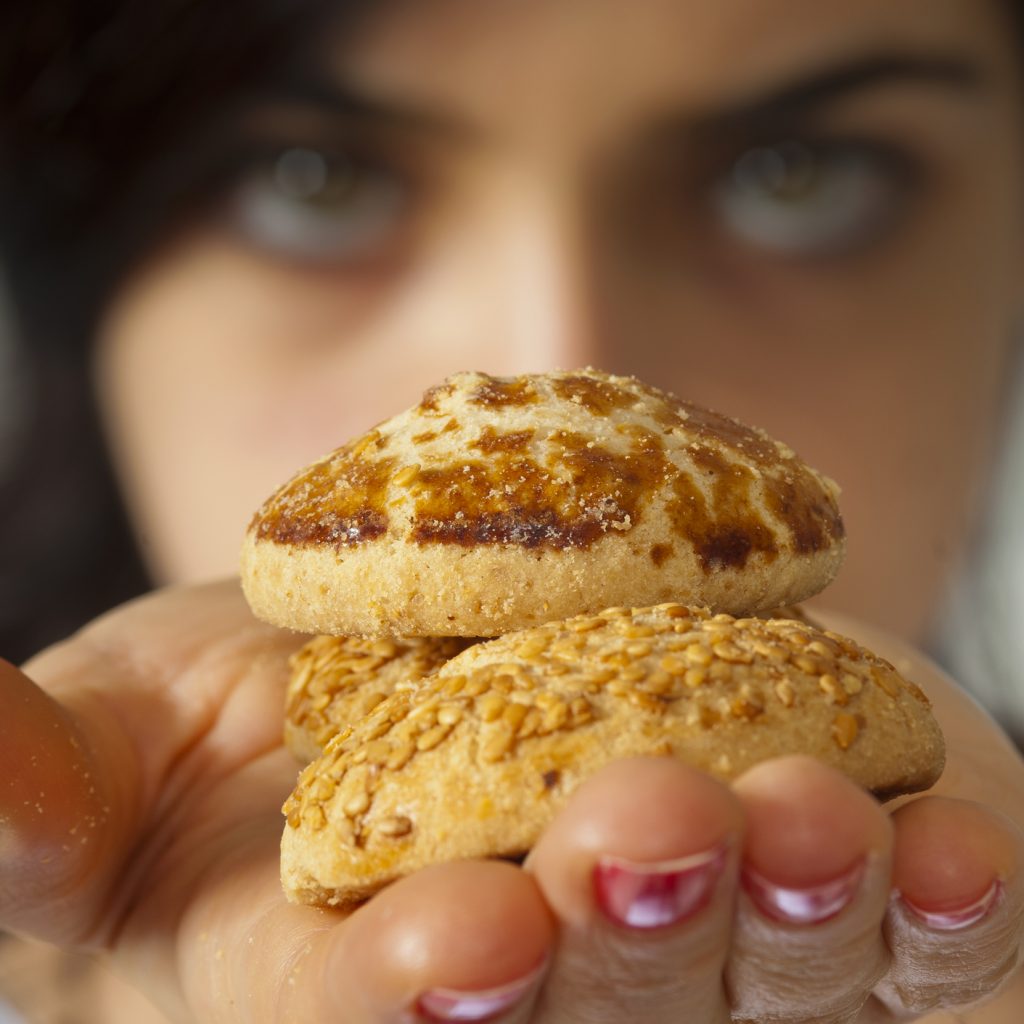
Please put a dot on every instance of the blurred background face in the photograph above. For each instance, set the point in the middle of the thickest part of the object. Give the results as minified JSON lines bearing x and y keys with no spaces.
{"x":808,"y":216}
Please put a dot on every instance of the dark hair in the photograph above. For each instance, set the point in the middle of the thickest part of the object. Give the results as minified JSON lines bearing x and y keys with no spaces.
{"x":102,"y":107}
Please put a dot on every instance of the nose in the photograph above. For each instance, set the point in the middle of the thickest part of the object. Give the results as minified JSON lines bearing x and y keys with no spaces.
{"x":541,"y":300}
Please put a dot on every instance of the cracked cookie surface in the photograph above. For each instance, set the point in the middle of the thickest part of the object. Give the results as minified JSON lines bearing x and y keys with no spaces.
{"x":501,"y":503}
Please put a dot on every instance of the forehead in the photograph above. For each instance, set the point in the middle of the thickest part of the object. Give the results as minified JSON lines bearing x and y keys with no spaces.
{"x":531,"y":52}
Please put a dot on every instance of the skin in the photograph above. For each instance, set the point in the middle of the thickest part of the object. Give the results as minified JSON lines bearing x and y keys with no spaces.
{"x":552,"y":221}
{"x":161,"y":774}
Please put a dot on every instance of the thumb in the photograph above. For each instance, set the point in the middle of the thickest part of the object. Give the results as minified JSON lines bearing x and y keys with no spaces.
{"x":55,"y":814}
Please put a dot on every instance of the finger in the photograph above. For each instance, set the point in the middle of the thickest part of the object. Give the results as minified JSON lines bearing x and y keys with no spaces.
{"x":173,"y":688}
{"x":461,"y":941}
{"x":808,"y":939}
{"x":639,"y":869}
{"x":956,"y":923}
{"x":57,"y":821}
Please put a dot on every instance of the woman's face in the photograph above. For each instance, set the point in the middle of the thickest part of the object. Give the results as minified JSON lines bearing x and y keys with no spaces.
{"x":806,"y":215}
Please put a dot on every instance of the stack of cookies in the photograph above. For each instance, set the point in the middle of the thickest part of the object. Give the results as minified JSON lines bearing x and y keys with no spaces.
{"x":522,"y":579}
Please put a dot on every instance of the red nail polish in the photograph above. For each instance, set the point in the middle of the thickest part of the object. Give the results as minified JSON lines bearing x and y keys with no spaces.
{"x":659,"y":894}
{"x":447,"y":1004}
{"x":957,"y":917}
{"x":811,"y":905}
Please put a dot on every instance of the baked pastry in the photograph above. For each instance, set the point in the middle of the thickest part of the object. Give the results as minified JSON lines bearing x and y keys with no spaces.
{"x":502,"y":503}
{"x":335,"y":680}
{"x":477,"y":758}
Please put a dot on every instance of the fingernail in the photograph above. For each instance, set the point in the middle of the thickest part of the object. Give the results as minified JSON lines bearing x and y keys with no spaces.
{"x":811,"y":905}
{"x":957,"y":917}
{"x":448,"y":1004}
{"x":659,"y":894}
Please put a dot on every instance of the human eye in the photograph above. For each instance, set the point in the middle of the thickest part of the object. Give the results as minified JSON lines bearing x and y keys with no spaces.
{"x":806,"y":198}
{"x":319,"y":204}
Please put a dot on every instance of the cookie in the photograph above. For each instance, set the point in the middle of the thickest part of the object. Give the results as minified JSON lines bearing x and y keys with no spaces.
{"x":477,"y":759}
{"x":502,"y":503}
{"x":336,"y":680}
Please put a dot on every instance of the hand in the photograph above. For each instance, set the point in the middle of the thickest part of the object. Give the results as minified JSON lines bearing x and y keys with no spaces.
{"x":140,"y":816}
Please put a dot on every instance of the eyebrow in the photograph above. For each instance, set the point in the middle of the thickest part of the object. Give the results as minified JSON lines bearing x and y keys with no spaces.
{"x":339,"y":100}
{"x":804,"y":96}
{"x":797,"y":98}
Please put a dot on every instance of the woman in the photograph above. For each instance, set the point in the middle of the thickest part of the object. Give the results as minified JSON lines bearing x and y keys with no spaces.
{"x":809,"y":219}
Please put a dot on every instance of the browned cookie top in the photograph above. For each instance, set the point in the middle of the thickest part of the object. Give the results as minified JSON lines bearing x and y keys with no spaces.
{"x":599,"y":474}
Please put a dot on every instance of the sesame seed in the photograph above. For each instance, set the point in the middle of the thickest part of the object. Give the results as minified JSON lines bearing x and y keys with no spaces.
{"x":320,"y":702}
{"x":370,"y":700}
{"x":745,"y":708}
{"x":809,"y":664}
{"x":785,"y":692}
{"x":491,"y":706}
{"x":695,"y":677}
{"x":449,"y":714}
{"x":824,"y":647}
{"x":454,"y":685}
{"x":676,"y":611}
{"x":673,"y":665}
{"x":530,"y":724}
{"x":356,"y":805}
{"x":400,"y":756}
{"x":852,"y":684}
{"x":659,"y":682}
{"x":639,"y":699}
{"x":314,"y":817}
{"x":379,"y":727}
{"x":638,"y":632}
{"x":555,"y":716}
{"x":322,"y":789}
{"x":884,"y":678}
{"x":531,"y":648}
{"x":475,"y":687}
{"x":698,"y":654}
{"x":585,"y":625}
{"x":432,"y":737}
{"x":406,"y":475}
{"x":844,"y":730}
{"x":377,"y":751}
{"x":394,"y":827}
{"x":581,"y":711}
{"x":497,"y":746}
{"x":830,"y":686}
{"x":731,"y":653}
{"x":514,"y":714}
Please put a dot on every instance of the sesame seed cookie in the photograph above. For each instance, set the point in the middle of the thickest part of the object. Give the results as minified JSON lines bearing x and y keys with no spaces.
{"x":477,"y":759}
{"x":335,"y":680}
{"x":501,"y":503}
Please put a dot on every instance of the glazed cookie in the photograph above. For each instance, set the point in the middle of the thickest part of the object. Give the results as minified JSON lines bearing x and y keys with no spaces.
{"x":498,"y":504}
{"x":477,"y":759}
{"x":335,"y":680}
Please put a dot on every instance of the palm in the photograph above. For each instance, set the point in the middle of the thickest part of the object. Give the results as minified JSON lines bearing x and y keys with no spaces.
{"x":184,"y":697}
